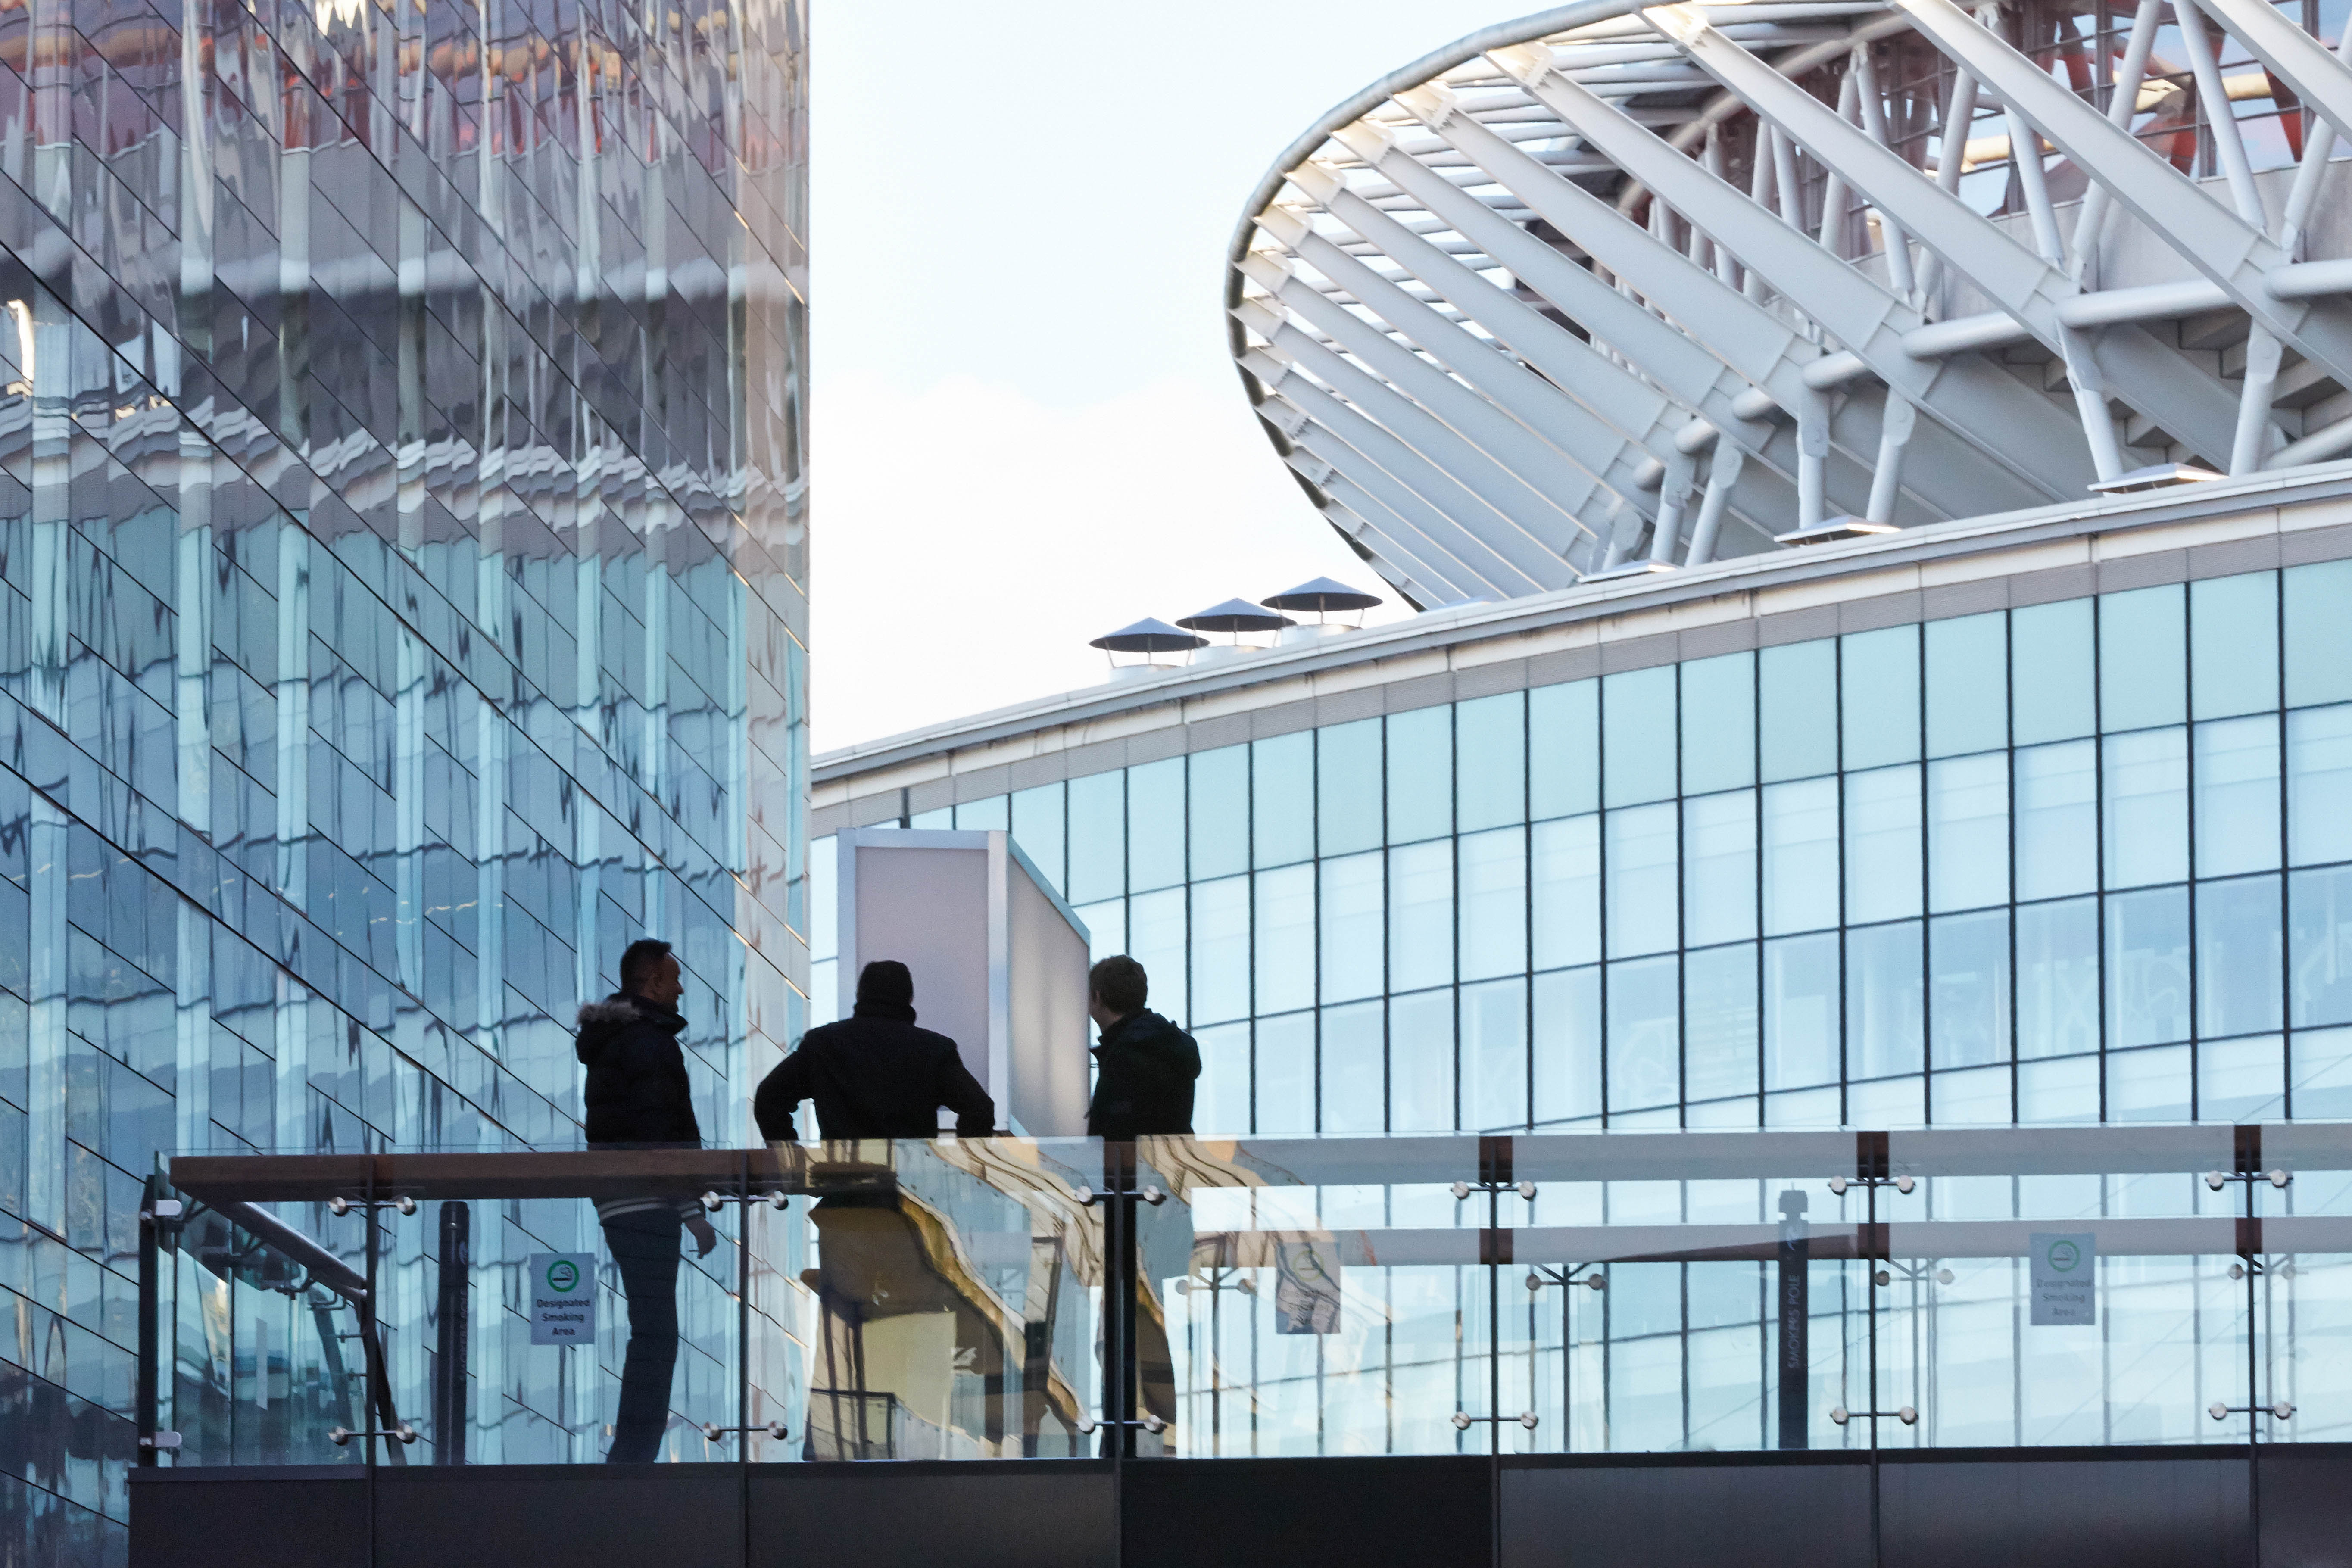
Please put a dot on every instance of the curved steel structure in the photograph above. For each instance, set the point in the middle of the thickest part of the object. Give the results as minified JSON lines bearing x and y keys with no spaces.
{"x":1617,"y":287}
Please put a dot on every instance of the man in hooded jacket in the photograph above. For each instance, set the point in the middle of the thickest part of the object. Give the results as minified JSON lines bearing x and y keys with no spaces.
{"x":637,"y":1097}
{"x":874,"y":1074}
{"x":1145,"y":1065}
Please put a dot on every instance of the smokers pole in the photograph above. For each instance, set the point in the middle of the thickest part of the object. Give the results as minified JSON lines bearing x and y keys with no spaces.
{"x":1794,"y":1357}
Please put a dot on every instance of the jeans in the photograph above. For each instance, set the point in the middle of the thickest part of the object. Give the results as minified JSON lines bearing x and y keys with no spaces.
{"x":645,"y":1244}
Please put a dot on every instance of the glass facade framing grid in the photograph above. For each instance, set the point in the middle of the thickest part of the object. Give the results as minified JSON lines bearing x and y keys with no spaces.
{"x":402,"y":545}
{"x":2080,"y":861}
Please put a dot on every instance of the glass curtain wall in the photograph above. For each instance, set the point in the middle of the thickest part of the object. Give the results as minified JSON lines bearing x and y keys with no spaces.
{"x":2085,"y":861}
{"x":405,"y":570}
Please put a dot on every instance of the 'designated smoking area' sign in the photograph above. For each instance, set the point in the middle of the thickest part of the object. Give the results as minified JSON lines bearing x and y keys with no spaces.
{"x":562,"y":1287}
{"x":2062,"y":1266}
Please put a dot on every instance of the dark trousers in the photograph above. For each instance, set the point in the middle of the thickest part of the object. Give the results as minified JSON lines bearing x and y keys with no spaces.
{"x":645,"y":1244}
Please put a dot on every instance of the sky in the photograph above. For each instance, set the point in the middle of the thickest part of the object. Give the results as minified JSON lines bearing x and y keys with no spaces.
{"x":1025,"y":427}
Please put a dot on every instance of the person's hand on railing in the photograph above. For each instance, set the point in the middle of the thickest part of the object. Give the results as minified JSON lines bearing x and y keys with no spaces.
{"x":705,"y":1238}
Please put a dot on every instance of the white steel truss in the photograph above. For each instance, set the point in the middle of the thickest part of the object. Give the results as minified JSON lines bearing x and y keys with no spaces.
{"x":1618,"y":284}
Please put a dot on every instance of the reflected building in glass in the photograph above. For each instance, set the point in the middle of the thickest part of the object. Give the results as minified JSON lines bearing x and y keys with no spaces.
{"x":405,"y":547}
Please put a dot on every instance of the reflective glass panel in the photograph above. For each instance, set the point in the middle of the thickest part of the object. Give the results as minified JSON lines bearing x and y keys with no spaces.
{"x":1718,"y":709}
{"x":1968,"y":832}
{"x":1801,"y":1030}
{"x":1567,"y":1044}
{"x":2237,"y":777}
{"x":2147,"y":817}
{"x":2239,"y":956}
{"x":1281,"y":798}
{"x":2147,"y":967}
{"x":1220,"y":950}
{"x":1879,"y":687}
{"x":1421,"y":773}
{"x":1490,"y":760}
{"x":1637,"y":745}
{"x":1037,"y":828}
{"x":1494,"y":903}
{"x":1797,"y":709}
{"x":2058,"y":978}
{"x":1420,"y":915}
{"x":1155,"y":939}
{"x":1348,"y":770}
{"x":1720,"y":1012}
{"x":2318,"y":634}
{"x":1155,"y":824}
{"x":1495,"y":1055}
{"x":2321,"y":959}
{"x":1565,"y":899}
{"x":1352,"y":906}
{"x":1097,"y":838}
{"x":1286,"y":1074}
{"x":2319,"y":785}
{"x":2233,"y":644}
{"x":1885,"y":1001}
{"x":1420,"y":1062}
{"x":1883,"y":859}
{"x":2050,"y":672}
{"x":2057,"y":819}
{"x":1968,"y":989}
{"x":1800,"y":856}
{"x":1719,"y":868}
{"x":1642,"y":906}
{"x":1564,"y":748}
{"x":2143,"y":658}
{"x":1218,"y":798}
{"x":1967,"y":684}
{"x":1355,"y":1068}
{"x":1645,"y":1033}
{"x":1285,"y":931}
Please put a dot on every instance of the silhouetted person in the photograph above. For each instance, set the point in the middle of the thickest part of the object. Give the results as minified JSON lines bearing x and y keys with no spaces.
{"x":874,"y":1074}
{"x":638,"y":1097}
{"x":1145,"y":1065}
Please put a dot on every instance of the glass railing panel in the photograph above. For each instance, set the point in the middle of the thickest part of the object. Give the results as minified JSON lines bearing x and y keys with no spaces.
{"x":1318,"y":1297}
{"x":836,"y":1301}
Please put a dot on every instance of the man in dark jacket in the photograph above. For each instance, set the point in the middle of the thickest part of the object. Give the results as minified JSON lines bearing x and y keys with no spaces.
{"x":638,"y":1097}
{"x":1145,"y":1065}
{"x":874,"y":1074}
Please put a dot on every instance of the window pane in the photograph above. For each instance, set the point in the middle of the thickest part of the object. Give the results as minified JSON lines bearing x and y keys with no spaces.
{"x":1637,"y":747}
{"x":1037,"y":828}
{"x":1719,"y":868}
{"x":1968,"y":989}
{"x":1883,"y":861}
{"x":1495,"y":1055}
{"x":2319,"y":785}
{"x":1567,"y":1044}
{"x":1155,"y":939}
{"x":2318,"y":633}
{"x":2143,"y":658}
{"x":2147,"y":807}
{"x":2058,"y":978}
{"x":1797,"y":709}
{"x":1106,"y":924}
{"x":1563,"y":749}
{"x":1800,"y":856}
{"x":1968,"y":832}
{"x":1800,"y":1011}
{"x":2050,"y":672}
{"x":1352,"y":927}
{"x":1218,"y":803}
{"x":1421,"y":773}
{"x":1490,"y":760}
{"x":1420,"y":1062}
{"x":1286,"y":939}
{"x":1155,"y":824}
{"x":1220,"y":950}
{"x":1220,"y":1101}
{"x":2148,"y":1086}
{"x":1097,"y":838}
{"x":1967,"y":684}
{"x":2233,"y":644}
{"x":1885,"y":1002}
{"x":1420,"y":915}
{"x":2242,"y":1080}
{"x":2237,"y":795}
{"x":1286,"y":1074}
{"x":1880,"y":676}
{"x":984,"y":816}
{"x":1645,"y":1033}
{"x":942,"y":817}
{"x":824,"y":896}
{"x":1718,"y":723}
{"x":2321,"y":922}
{"x":2147,"y":967}
{"x":1641,"y":893}
{"x":1719,"y":1030}
{"x":1355,"y":1068}
{"x":2239,"y":956}
{"x":1347,"y":814}
{"x":1281,"y":798}
{"x":1494,"y":903}
{"x":2057,"y":820}
{"x":1566,"y":894}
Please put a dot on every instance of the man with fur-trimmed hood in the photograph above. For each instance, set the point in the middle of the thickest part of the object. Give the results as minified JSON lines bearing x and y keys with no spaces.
{"x":638,"y":1097}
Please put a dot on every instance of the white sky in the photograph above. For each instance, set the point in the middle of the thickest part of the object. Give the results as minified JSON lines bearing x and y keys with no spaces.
{"x":1026,"y":428}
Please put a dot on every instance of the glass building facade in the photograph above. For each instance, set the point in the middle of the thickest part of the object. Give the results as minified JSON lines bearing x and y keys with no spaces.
{"x":2087,"y":861}
{"x":404,"y":539}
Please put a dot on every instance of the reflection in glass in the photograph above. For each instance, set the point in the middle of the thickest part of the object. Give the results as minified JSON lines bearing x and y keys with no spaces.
{"x":1567,"y":1045}
{"x":2319,"y":785}
{"x":2147,"y":967}
{"x":2057,"y":820}
{"x":1420,"y":1062}
{"x":1565,"y":901}
{"x":1494,"y":896}
{"x":1221,"y":1099}
{"x":1797,"y":709}
{"x":1968,"y":989}
{"x":2143,"y":658}
{"x":1285,"y":931}
{"x":1348,"y":796}
{"x":1097,"y":838}
{"x":1490,"y":760}
{"x":1967,"y":684}
{"x":1885,"y":1001}
{"x":2234,"y":644}
{"x":1800,"y":856}
{"x":1719,"y":868}
{"x":1882,"y":847}
{"x":1718,"y":703}
{"x":2058,"y":978}
{"x":1353,"y":906}
{"x":2050,"y":672}
{"x":1281,"y":798}
{"x":1284,"y":1064}
{"x":2147,"y":814}
{"x":1968,"y":832}
{"x":1563,"y":749}
{"x":2320,"y":961}
{"x":1880,"y":696}
{"x":1801,"y":1030}
{"x":2239,"y":956}
{"x":1218,"y":803}
{"x":1220,"y":950}
{"x":1495,"y":1055}
{"x":1155,"y":824}
{"x":1037,"y":829}
{"x":2317,"y":633}
{"x":1421,"y":773}
{"x":1637,"y":745}
{"x":1645,"y":1033}
{"x":2237,"y":773}
{"x":1643,"y":908}
{"x":1420,"y":915}
{"x":1355,"y":1071}
{"x":1719,"y":1022}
